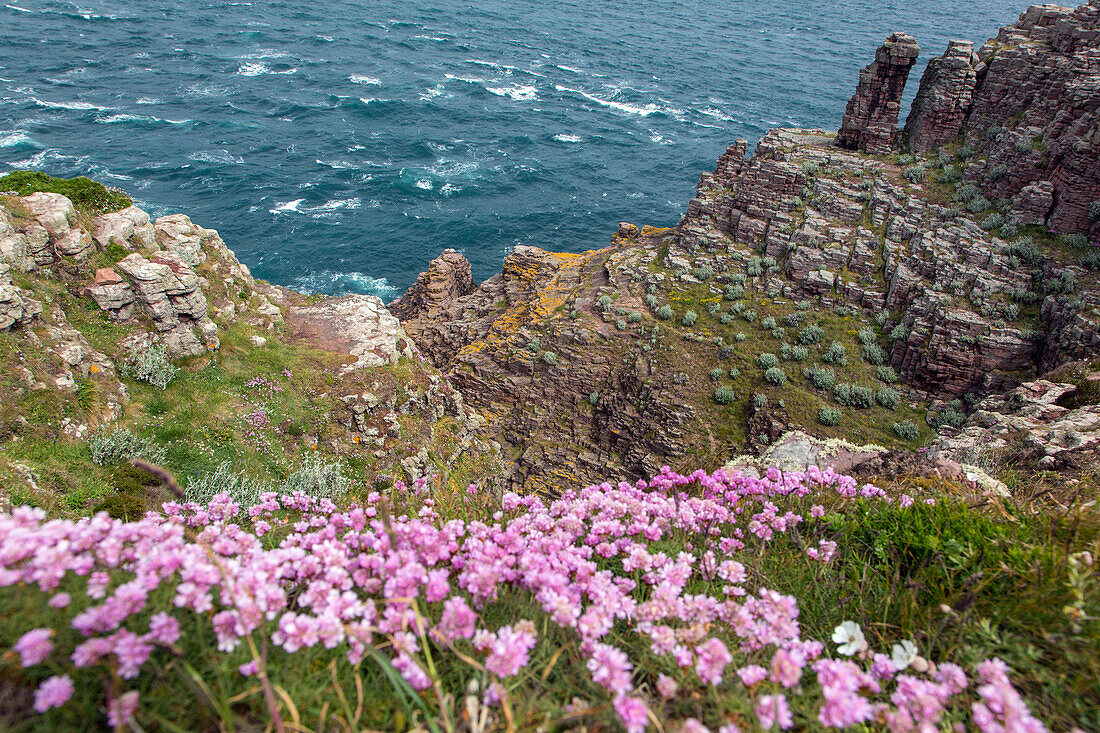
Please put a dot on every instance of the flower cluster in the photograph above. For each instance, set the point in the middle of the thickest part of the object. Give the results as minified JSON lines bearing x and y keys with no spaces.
{"x":369,"y":579}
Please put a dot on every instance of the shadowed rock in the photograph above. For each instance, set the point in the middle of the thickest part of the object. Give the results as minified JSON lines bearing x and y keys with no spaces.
{"x":946,"y":89}
{"x":871,"y":118}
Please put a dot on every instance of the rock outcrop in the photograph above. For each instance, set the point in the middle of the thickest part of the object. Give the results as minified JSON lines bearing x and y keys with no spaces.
{"x":1033,"y":116}
{"x":358,"y":325}
{"x":943,"y":99}
{"x":446,"y":279}
{"x":1031,"y":425}
{"x":870,"y":121}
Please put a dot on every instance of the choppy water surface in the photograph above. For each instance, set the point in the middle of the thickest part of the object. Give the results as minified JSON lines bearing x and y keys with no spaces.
{"x":339,"y":145}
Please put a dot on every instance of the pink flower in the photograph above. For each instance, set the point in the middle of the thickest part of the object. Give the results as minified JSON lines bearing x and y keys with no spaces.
{"x":610,"y":668}
{"x":632,"y":712}
{"x":772,"y":710}
{"x":34,"y":646}
{"x":121,"y":709}
{"x":787,"y":667}
{"x":752,"y":674}
{"x":509,"y":652}
{"x":53,"y":693}
{"x":712,"y":656}
{"x":667,"y":687}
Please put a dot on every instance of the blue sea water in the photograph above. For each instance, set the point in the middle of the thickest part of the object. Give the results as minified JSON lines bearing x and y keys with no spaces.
{"x":339,"y":145}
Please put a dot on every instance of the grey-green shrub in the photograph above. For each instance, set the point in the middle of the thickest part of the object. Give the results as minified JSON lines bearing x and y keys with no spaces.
{"x":735,"y":372}
{"x":867,"y":335}
{"x":754,"y":267}
{"x":991,"y":222}
{"x":978,"y":204}
{"x":775,"y":375}
{"x":224,"y":480}
{"x":828,"y":416}
{"x":899,"y":332}
{"x":713,"y":307}
{"x":664,"y":312}
{"x":836,"y":354}
{"x":1094,"y":211}
{"x":873,"y":354}
{"x":550,"y":357}
{"x":767,"y":361}
{"x":319,"y":477}
{"x":651,"y":301}
{"x":749,"y":315}
{"x":739,"y":337}
{"x":886,"y":374}
{"x":604,"y":302}
{"x":690,"y":318}
{"x":112,"y":446}
{"x":620,"y":324}
{"x":733,"y":292}
{"x":760,"y":401}
{"x":703,"y":272}
{"x":799,"y":353}
{"x":888,"y":397}
{"x":1024,"y":249}
{"x":534,"y":345}
{"x":823,"y":378}
{"x":594,"y":398}
{"x":717,"y":373}
{"x":851,"y":395}
{"x":723,"y":395}
{"x":810,"y":335}
{"x":634,"y":317}
{"x":767,"y":323}
{"x":906,"y":430}
{"x":152,"y":366}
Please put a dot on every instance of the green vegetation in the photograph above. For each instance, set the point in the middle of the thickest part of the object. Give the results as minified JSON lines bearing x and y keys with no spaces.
{"x":89,"y":198}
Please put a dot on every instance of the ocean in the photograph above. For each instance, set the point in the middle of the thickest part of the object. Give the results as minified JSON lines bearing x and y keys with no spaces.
{"x":338,"y":146}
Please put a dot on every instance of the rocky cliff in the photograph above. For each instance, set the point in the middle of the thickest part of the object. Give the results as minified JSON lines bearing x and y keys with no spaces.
{"x":943,"y":263}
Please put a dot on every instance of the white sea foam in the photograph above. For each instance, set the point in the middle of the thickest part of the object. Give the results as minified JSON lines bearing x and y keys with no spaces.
{"x":149,"y":100}
{"x":253,"y":69}
{"x":287,"y":207}
{"x":16,"y":7}
{"x":328,"y":281}
{"x":123,"y":118}
{"x":716,"y":114}
{"x":425,"y":184}
{"x":566,"y":137}
{"x":570,"y":69}
{"x":81,"y":106}
{"x":263,"y":53}
{"x":364,"y":79}
{"x":223,"y":157}
{"x":285,"y":72}
{"x":518,"y":92}
{"x":610,"y":104}
{"x":14,"y":138}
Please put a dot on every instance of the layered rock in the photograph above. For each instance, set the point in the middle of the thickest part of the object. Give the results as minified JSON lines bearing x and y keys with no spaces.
{"x":1034,"y":114}
{"x":870,"y":121}
{"x":1032,"y":424}
{"x":943,"y":99}
{"x":358,"y":325}
{"x":446,"y":279}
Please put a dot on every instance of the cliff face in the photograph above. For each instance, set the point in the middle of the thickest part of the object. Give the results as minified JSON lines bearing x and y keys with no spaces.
{"x":1031,"y":124}
{"x":920,"y":257}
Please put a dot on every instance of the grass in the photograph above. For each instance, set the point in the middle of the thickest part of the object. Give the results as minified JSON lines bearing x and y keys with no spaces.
{"x":89,"y":197}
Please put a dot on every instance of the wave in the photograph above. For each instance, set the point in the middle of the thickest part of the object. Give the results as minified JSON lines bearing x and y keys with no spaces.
{"x":80,"y":106}
{"x":329,"y":282}
{"x":364,"y":79}
{"x":566,"y":137}
{"x":139,"y":119}
{"x":149,"y":100}
{"x":16,"y":7}
{"x":504,"y":68}
{"x":518,"y":92}
{"x":263,"y":53}
{"x":252,"y":69}
{"x":15,"y":139}
{"x":319,"y":211}
{"x":223,"y":157}
{"x":632,"y":109}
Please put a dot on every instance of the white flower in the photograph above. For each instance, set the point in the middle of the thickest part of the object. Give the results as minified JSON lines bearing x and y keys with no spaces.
{"x":850,"y":638}
{"x":903,"y":654}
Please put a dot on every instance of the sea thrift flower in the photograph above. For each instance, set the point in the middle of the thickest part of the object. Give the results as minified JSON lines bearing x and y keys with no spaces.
{"x":34,"y":646}
{"x":772,"y":711}
{"x":752,"y":674}
{"x":53,"y":693}
{"x":121,"y":709}
{"x":712,"y":658}
{"x":667,"y":687}
{"x":610,"y":668}
{"x":632,"y":712}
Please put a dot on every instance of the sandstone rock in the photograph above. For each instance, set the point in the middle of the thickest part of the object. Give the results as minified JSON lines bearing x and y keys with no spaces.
{"x":1032,"y":204}
{"x":1035,"y":109}
{"x":871,"y":118}
{"x":796,"y":451}
{"x":943,"y":99}
{"x":446,"y":279}
{"x":129,"y":227}
{"x":177,"y":233}
{"x":106,"y":276}
{"x":169,"y":291}
{"x":358,"y":325}
{"x":53,"y":211}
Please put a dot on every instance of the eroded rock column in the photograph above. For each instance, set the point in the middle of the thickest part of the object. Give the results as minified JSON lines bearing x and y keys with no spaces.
{"x":943,"y":99}
{"x":871,"y":119}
